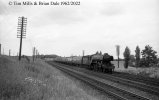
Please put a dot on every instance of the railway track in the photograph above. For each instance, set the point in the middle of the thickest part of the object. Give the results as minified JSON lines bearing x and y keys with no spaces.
{"x":153,"y":89}
{"x":141,"y":79}
{"x":99,"y":83}
{"x":142,"y":84}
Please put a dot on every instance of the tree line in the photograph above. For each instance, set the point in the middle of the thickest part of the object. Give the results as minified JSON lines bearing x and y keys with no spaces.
{"x":145,"y":58}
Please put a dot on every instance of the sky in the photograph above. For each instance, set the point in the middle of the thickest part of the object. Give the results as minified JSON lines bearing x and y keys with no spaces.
{"x":94,"y":25}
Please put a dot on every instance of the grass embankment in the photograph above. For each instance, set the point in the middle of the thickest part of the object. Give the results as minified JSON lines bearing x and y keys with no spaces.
{"x":23,"y":80}
{"x":36,"y":81}
{"x":152,"y":72}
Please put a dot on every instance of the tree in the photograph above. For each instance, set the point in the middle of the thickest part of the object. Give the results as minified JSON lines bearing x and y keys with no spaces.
{"x":137,"y":56}
{"x":126,"y":57}
{"x":149,"y":56}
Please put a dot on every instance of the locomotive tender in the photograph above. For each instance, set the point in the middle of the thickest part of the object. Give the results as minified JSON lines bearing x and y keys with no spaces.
{"x":93,"y":62}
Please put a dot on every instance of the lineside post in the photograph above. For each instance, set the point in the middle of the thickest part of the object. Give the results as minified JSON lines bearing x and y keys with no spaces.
{"x":33,"y":54}
{"x":9,"y":52}
{"x":82,"y":57}
{"x":0,"y":49}
{"x":118,"y":52}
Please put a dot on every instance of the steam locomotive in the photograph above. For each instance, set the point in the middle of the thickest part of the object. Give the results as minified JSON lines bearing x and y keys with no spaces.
{"x":96,"y":62}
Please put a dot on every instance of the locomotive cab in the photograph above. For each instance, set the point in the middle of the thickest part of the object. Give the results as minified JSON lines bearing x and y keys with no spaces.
{"x":96,"y":61}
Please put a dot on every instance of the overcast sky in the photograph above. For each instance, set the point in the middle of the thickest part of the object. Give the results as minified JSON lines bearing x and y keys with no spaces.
{"x":94,"y":25}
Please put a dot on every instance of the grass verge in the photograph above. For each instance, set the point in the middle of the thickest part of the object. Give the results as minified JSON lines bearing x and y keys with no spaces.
{"x":38,"y":81}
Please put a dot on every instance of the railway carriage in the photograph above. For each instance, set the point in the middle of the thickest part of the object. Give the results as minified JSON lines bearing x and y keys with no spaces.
{"x":76,"y":60}
{"x":86,"y":60}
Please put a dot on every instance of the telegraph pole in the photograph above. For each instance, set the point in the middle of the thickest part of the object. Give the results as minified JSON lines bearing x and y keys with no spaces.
{"x":21,"y":32}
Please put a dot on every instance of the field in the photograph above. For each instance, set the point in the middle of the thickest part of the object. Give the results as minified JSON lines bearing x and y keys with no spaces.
{"x":152,"y":72}
{"x":39,"y":81}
